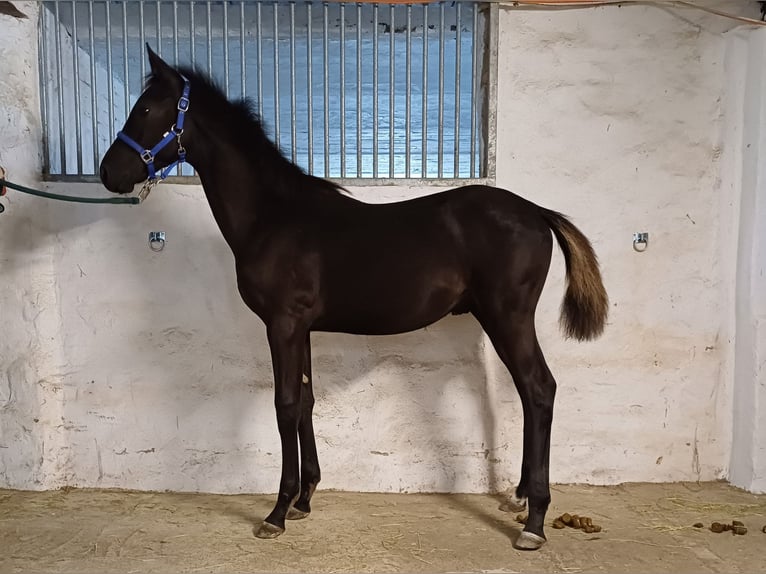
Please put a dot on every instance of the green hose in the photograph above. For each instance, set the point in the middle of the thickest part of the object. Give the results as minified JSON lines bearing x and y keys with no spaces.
{"x":37,"y":192}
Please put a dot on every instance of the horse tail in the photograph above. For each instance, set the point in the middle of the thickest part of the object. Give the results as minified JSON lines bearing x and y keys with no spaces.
{"x":586,"y":305}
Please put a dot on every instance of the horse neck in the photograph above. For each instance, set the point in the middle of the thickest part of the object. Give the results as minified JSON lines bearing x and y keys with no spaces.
{"x":237,"y":185}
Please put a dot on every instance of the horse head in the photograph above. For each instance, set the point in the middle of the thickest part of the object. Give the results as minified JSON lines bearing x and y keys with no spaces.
{"x":150,"y":142}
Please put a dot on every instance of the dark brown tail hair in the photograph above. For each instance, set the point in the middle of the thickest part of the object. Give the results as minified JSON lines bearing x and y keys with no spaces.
{"x":586,"y":304}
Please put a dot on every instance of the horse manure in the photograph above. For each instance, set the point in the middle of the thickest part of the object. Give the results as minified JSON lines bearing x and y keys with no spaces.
{"x":584,"y":523}
{"x":521,"y":519}
{"x":736,"y":527}
{"x":763,"y":529}
{"x":698,"y":525}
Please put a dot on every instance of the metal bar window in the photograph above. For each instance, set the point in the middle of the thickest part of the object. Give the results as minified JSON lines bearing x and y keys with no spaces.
{"x":376,"y":93}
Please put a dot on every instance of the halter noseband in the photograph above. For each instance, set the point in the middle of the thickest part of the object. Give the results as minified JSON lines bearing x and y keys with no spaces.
{"x":148,"y":155}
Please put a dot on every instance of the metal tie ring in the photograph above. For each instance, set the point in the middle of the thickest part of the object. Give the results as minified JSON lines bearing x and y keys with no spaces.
{"x":157,"y":241}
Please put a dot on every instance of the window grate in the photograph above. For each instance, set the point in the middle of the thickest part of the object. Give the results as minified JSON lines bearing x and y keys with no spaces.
{"x":347,"y":91}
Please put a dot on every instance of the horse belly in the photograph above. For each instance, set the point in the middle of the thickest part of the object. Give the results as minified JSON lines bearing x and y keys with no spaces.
{"x":380,"y":299}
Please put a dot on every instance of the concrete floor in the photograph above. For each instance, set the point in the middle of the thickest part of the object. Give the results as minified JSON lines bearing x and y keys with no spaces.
{"x":646,"y":528}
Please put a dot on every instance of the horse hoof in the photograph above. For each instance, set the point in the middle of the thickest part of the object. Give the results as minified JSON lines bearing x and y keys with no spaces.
{"x":268,"y":531}
{"x":529,"y":541}
{"x":295,"y":514}
{"x":514,"y":504}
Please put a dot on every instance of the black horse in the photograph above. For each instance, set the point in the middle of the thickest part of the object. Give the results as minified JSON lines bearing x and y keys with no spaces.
{"x":311,"y":258}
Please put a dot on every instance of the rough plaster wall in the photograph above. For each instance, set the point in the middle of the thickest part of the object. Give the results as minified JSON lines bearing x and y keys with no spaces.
{"x":28,"y":308}
{"x":146,"y":370}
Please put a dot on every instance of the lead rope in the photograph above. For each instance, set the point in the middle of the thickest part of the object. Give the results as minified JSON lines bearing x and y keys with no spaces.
{"x":4,"y":183}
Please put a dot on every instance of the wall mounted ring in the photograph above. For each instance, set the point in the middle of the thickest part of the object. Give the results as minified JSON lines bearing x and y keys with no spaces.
{"x":640,"y":241}
{"x":157,"y":240}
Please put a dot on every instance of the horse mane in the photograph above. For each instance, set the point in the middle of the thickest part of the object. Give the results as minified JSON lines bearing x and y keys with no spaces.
{"x":240,"y":123}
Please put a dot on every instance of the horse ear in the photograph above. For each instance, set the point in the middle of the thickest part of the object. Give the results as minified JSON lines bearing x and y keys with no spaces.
{"x":160,"y":68}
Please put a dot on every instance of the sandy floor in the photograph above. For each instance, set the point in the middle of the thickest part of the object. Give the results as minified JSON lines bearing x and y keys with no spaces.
{"x":646,"y":528}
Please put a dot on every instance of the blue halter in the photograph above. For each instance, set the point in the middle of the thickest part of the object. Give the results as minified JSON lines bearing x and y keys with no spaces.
{"x":148,"y":155}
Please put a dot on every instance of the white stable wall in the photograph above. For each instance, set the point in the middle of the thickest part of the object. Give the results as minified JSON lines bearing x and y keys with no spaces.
{"x":27,"y":280}
{"x":744,"y":177}
{"x":124,"y":368}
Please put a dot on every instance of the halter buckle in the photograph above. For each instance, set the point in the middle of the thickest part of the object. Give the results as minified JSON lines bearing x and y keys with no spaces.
{"x":146,"y":189}
{"x":183,"y":104}
{"x":147,"y":156}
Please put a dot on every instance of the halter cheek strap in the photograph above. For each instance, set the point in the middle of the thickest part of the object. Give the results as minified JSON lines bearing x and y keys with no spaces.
{"x":148,"y":155}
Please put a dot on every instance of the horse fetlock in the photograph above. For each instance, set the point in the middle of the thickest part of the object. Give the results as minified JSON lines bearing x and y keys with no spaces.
{"x":288,"y":493}
{"x":311,"y":488}
{"x":292,"y":498}
{"x":301,"y":507}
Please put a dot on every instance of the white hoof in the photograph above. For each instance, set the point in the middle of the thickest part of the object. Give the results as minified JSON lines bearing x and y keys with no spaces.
{"x":514,"y":504}
{"x":529,"y":541}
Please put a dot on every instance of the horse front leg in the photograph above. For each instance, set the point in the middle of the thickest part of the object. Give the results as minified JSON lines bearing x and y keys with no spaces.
{"x":286,"y":341}
{"x":310,"y":474}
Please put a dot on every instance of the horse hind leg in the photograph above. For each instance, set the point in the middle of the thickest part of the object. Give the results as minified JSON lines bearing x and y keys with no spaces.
{"x":514,"y":338}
